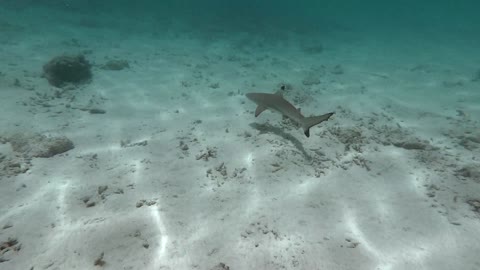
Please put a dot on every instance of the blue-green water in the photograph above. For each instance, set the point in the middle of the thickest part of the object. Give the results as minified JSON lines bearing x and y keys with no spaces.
{"x":439,"y":16}
{"x":127,"y":141}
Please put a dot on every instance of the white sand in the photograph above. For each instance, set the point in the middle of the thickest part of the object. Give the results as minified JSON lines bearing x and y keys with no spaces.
{"x":336,"y":200}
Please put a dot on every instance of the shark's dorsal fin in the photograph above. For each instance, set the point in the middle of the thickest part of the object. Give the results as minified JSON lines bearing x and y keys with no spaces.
{"x":259,"y":110}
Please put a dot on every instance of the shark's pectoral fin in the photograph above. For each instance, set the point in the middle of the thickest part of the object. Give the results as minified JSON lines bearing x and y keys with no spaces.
{"x":259,"y":110}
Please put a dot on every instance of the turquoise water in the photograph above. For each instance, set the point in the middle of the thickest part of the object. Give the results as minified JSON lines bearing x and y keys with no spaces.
{"x":127,"y":140}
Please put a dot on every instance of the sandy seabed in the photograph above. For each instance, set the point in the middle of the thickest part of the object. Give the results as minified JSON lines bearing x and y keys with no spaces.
{"x":177,"y":173}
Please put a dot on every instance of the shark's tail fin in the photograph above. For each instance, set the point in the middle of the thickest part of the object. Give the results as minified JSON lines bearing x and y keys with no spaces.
{"x":311,"y":121}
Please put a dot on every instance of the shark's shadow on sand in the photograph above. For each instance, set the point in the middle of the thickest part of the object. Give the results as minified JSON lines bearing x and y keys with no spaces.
{"x":268,"y":128}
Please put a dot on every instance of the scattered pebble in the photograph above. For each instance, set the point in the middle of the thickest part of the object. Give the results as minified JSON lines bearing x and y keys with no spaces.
{"x":99,"y":261}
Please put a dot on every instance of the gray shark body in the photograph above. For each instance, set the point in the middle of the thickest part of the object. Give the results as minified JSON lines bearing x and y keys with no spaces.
{"x":276,"y":102}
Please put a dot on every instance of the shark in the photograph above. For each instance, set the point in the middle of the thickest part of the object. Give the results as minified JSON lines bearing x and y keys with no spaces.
{"x":276,"y":102}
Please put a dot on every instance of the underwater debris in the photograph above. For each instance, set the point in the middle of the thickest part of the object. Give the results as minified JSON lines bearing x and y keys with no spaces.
{"x":210,"y":152}
{"x":412,"y":145}
{"x":97,"y":111}
{"x":147,"y":202}
{"x":99,"y":261}
{"x":221,"y":266}
{"x":128,"y":143}
{"x":11,"y":244}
